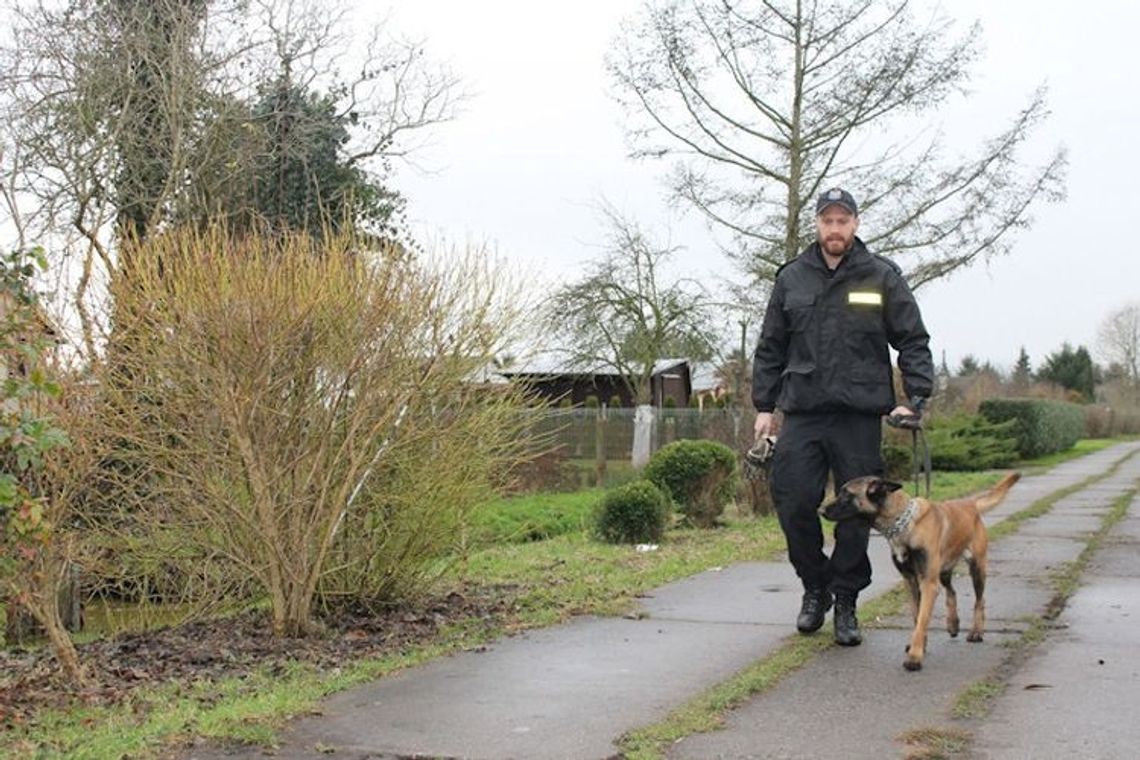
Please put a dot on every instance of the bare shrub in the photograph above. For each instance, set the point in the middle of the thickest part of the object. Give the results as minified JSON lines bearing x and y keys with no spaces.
{"x":304,"y":409}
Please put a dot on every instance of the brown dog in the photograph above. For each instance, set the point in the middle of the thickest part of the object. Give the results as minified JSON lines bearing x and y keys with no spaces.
{"x":927,"y":539}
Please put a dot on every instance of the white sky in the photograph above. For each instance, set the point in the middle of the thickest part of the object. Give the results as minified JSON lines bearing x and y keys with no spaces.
{"x":541,"y":140}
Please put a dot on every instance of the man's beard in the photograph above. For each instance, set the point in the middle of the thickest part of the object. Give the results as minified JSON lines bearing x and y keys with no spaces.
{"x":837,"y":245}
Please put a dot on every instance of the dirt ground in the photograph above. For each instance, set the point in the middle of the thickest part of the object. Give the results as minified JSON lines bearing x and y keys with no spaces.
{"x":31,"y":681}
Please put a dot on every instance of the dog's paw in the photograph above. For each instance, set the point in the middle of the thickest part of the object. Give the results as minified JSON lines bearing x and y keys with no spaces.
{"x":912,"y":664}
{"x":974,"y":636}
{"x":952,"y":628}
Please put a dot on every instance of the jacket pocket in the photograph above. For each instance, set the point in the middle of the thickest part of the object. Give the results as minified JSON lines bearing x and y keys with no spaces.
{"x":799,"y":311}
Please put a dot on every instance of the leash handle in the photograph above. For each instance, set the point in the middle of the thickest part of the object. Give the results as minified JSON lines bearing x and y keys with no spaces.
{"x":905,"y":421}
{"x":913,"y":423}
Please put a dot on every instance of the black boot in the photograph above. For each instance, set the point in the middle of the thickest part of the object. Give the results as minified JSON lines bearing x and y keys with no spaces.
{"x":846,"y":624}
{"x":817,"y":602}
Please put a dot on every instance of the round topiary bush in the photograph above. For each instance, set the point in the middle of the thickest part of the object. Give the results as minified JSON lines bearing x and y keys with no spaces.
{"x":700,"y":477}
{"x":631,"y":514}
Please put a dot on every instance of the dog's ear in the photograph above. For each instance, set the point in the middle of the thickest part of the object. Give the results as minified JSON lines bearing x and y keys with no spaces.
{"x":878,"y":490}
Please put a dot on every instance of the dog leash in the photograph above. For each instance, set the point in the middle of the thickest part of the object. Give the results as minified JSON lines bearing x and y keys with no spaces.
{"x":913,"y":423}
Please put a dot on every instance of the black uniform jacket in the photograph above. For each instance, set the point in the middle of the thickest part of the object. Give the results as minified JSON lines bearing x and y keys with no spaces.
{"x":823,"y":346}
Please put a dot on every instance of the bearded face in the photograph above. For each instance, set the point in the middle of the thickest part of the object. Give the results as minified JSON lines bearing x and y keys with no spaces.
{"x":836,"y":228}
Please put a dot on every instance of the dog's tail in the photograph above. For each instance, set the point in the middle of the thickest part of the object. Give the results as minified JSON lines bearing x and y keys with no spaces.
{"x":991,"y":498}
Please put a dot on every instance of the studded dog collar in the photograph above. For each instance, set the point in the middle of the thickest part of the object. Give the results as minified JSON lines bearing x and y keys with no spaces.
{"x":901,"y":522}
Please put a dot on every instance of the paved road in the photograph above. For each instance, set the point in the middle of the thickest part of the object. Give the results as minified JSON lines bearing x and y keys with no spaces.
{"x":570,"y":691}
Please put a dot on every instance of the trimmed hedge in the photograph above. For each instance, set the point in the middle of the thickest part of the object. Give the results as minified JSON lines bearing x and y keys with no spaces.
{"x":971,"y":442}
{"x":700,"y":476}
{"x":634,"y":513}
{"x":1042,"y":426}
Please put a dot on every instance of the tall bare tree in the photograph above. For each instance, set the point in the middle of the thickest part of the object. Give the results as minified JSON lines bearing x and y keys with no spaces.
{"x":627,"y":313}
{"x":761,"y":102}
{"x":122,"y":117}
{"x":1118,"y":341}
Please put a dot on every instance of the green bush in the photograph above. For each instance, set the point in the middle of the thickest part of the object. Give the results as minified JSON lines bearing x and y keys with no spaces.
{"x":634,"y":513}
{"x":970,"y":442}
{"x":700,"y":477}
{"x":1041,"y":426}
{"x":897,"y":461}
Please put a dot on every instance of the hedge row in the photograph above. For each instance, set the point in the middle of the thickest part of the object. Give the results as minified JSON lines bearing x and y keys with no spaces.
{"x":1042,"y":426}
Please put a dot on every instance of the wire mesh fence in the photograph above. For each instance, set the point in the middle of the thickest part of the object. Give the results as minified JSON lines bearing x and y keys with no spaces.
{"x":592,"y":447}
{"x":583,"y":433}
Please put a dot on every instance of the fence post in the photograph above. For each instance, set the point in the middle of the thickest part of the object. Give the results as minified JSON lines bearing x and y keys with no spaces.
{"x":642,"y":435}
{"x":600,"y":447}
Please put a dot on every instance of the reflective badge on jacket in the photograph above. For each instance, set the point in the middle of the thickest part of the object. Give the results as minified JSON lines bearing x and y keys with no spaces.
{"x":865,"y":298}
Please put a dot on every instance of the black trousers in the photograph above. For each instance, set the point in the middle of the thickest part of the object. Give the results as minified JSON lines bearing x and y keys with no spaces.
{"x":810,"y":446}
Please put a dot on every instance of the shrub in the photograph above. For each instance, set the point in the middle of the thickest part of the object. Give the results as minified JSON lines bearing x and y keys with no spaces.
{"x":897,"y":461}
{"x":970,"y":442}
{"x":303,"y":407}
{"x":1042,"y":426}
{"x":700,"y":477}
{"x":634,"y":513}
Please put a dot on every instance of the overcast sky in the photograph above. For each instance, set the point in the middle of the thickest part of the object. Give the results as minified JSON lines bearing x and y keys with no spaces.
{"x":541,"y":139}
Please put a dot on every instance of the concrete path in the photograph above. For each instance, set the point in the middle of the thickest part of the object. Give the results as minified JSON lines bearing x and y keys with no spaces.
{"x":572,"y":690}
{"x":860,"y":703}
{"x":1079,"y":695}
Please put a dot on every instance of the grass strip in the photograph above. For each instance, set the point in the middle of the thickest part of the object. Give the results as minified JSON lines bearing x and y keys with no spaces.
{"x":935,"y":743}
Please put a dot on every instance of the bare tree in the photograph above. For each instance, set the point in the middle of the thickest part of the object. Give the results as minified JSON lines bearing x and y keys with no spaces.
{"x":1118,"y":341}
{"x":625,"y":314}
{"x":123,"y":117}
{"x":761,"y":102}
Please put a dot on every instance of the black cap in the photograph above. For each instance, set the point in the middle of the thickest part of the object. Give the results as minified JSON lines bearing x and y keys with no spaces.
{"x":836,"y":197}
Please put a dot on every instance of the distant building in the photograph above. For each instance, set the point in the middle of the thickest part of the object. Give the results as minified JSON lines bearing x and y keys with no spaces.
{"x":559,"y":381}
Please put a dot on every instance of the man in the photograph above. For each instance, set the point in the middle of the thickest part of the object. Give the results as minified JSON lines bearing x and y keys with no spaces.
{"x":823,"y":360}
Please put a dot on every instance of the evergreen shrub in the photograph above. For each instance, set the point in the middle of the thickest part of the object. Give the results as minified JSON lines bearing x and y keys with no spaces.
{"x":962,"y":442}
{"x":700,"y":477}
{"x":636,"y":512}
{"x":1042,"y":426}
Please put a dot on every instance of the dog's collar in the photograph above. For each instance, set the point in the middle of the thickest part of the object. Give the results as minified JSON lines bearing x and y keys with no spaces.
{"x":901,"y":522}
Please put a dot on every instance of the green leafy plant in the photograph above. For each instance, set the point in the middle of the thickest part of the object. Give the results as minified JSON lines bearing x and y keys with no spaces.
{"x":29,"y":566}
{"x":634,"y":513}
{"x":700,"y":477}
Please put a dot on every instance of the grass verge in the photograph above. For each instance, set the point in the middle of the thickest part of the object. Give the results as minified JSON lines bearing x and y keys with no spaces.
{"x":935,"y":743}
{"x":534,"y":517}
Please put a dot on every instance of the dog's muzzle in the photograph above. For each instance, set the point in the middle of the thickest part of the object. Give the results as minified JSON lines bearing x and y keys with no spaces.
{"x":759,"y":457}
{"x":762,"y":452}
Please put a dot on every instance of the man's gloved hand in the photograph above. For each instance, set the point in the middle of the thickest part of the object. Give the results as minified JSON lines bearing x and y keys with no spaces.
{"x":904,"y":417}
